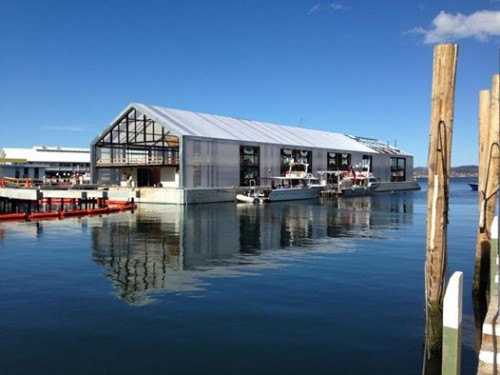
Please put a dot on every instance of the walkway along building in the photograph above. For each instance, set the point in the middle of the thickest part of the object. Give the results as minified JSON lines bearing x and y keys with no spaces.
{"x":181,"y":157}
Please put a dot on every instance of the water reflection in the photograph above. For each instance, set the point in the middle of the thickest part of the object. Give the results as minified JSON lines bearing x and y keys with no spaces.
{"x":163,"y":248}
{"x":177,"y":248}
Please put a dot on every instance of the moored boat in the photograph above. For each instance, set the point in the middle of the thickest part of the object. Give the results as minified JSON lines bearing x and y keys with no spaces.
{"x":297,"y":184}
{"x":247,"y":196}
{"x":358,"y":183}
{"x":473,"y":185}
{"x":251,"y":195}
{"x":353,"y":182}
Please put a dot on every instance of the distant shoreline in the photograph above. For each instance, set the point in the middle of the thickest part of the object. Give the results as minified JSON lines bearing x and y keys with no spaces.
{"x":465,"y":171}
{"x":455,"y":177}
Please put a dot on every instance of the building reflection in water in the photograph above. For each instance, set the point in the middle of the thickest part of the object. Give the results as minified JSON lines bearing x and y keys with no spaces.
{"x":178,"y":248}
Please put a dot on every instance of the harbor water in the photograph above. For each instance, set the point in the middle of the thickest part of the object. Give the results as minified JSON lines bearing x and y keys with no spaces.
{"x":329,"y":286}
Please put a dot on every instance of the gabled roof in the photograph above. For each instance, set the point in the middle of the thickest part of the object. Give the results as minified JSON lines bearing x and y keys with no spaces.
{"x":202,"y":125}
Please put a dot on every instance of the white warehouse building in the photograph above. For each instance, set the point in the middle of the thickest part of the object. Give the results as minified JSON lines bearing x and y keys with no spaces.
{"x":181,"y":157}
{"x":44,"y":162}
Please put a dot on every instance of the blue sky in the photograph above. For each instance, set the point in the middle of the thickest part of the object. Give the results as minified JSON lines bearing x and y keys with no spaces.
{"x":350,"y":66}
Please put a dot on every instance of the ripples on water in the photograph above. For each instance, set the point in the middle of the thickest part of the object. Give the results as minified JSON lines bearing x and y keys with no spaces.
{"x":330,"y":286}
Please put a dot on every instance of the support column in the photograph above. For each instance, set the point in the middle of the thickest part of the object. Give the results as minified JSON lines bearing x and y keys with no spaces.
{"x":439,"y":164}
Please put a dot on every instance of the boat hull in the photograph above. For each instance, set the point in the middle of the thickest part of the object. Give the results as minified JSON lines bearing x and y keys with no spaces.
{"x":357,"y":191}
{"x":292,"y":194}
{"x":246,"y":198}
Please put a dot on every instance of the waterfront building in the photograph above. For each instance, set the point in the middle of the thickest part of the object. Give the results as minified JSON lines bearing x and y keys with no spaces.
{"x":183,"y":157}
{"x":43,"y":162}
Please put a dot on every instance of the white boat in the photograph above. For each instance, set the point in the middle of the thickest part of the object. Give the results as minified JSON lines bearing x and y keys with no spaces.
{"x":298,"y":183}
{"x":251,"y":196}
{"x":355,"y":181}
{"x":473,"y":185}
{"x":246,"y":198}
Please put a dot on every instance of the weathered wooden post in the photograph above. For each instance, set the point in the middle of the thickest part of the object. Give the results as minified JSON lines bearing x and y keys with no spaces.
{"x":487,"y":183}
{"x":439,"y":163}
{"x":482,"y":243}
{"x":452,"y":325}
{"x":492,"y":171}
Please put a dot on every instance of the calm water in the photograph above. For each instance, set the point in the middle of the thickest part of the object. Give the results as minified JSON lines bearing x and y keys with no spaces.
{"x":321,"y":287}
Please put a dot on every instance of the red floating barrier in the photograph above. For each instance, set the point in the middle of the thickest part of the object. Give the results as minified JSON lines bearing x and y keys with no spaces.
{"x":98,"y":211}
{"x":73,"y":213}
{"x":43,"y":215}
{"x":19,"y":216}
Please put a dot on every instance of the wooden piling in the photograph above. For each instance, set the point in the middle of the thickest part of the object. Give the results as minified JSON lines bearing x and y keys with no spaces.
{"x":481,"y":266}
{"x":439,"y":164}
{"x":487,"y":186}
{"x":492,"y":175}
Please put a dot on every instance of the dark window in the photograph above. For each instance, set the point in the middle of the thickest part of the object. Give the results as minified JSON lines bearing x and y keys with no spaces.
{"x":346,"y":161}
{"x":338,"y":161}
{"x":333,"y":164}
{"x":398,"y":169}
{"x":298,"y":156}
{"x":367,"y":163}
{"x":249,"y":166}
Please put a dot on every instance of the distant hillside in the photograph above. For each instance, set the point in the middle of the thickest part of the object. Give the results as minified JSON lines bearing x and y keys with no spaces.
{"x":462,"y":171}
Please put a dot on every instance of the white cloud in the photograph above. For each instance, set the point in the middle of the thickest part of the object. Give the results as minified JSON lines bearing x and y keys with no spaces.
{"x":331,"y":6}
{"x":74,"y":129}
{"x":447,"y":27}
{"x":336,"y":6}
{"x":314,"y":9}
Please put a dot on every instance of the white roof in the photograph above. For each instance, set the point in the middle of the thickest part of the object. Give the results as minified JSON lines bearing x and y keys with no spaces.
{"x":44,"y":154}
{"x":195,"y":124}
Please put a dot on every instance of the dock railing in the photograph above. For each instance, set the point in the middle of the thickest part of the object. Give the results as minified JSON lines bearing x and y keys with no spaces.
{"x":134,"y":161}
{"x":19,"y":182}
